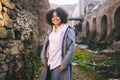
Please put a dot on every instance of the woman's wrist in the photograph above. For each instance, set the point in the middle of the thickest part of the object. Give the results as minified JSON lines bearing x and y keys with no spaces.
{"x":45,"y":64}
{"x":62,"y":68}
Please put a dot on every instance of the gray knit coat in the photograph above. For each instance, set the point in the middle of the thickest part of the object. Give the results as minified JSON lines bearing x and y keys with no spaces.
{"x":68,"y":46}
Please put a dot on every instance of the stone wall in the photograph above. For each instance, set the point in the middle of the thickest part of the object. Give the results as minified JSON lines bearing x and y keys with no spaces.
{"x":38,"y":8}
{"x":22,"y":28}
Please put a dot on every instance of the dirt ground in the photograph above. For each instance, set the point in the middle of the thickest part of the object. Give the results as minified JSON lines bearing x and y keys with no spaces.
{"x":80,"y":74}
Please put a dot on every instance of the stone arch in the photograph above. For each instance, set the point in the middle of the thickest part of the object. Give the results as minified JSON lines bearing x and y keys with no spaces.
{"x":104,"y":24}
{"x":117,"y":24}
{"x":93,"y":30}
{"x":87,"y":32}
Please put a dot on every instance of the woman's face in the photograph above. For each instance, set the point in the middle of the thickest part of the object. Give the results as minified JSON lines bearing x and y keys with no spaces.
{"x":56,"y":19}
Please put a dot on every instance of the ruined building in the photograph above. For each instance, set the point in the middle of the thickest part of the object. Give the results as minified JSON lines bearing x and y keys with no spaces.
{"x":22,"y":30}
{"x":101,"y":27}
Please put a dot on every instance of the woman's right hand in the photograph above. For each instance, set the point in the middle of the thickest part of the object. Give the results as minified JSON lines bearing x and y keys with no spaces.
{"x":45,"y":64}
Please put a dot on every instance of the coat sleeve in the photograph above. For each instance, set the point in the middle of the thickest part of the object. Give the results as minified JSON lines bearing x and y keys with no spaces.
{"x":70,"y":46}
{"x":44,"y":50}
{"x":45,"y":46}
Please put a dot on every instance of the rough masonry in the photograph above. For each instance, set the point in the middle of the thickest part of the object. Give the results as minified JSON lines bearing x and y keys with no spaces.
{"x":22,"y":30}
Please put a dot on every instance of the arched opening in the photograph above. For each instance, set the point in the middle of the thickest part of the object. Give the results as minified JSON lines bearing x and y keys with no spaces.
{"x":87,"y":32}
{"x":93,"y":30}
{"x":103,"y":32}
{"x":117,"y":24}
{"x":78,"y":30}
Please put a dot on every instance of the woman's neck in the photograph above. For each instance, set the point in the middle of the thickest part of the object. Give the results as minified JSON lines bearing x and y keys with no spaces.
{"x":57,"y":26}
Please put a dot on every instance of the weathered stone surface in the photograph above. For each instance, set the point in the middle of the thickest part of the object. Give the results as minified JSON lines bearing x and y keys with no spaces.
{"x":1,"y":49}
{"x":2,"y":57}
{"x":3,"y":43}
{"x":8,"y":58}
{"x":6,"y":51}
{"x":2,"y":76}
{"x":3,"y":32}
{"x":12,"y":15}
{"x":1,"y":17}
{"x":8,"y":4}
{"x":3,"y":67}
{"x":10,"y":34}
{"x":18,"y":66}
{"x":20,"y":46}
{"x":39,"y":8}
{"x":5,"y":9}
{"x":20,"y":21}
{"x":14,"y":50}
{"x":5,"y":19}
{"x":20,"y":32}
{"x":11,"y":25}
{"x":0,"y":7}
{"x":33,"y":42}
{"x":116,"y":46}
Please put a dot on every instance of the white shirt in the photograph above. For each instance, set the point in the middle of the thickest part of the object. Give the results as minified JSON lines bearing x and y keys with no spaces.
{"x":55,"y":46}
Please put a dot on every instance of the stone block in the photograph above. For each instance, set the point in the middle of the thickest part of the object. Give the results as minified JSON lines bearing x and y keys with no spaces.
{"x":3,"y":67}
{"x":6,"y":19}
{"x":5,"y":9}
{"x":3,"y":32}
{"x":0,"y":7}
{"x":2,"y":76}
{"x":1,"y":49}
{"x":11,"y":34}
{"x":2,"y":57}
{"x":8,"y":4}
{"x":116,"y":46}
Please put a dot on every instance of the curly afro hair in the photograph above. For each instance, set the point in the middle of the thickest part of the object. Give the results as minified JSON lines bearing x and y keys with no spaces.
{"x":60,"y":12}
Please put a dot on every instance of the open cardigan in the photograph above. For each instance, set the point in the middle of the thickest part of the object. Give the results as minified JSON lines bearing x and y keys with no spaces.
{"x":68,"y":46}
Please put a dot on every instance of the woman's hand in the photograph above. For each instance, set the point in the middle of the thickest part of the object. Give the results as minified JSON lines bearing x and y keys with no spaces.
{"x":45,"y":64}
{"x":62,"y":68}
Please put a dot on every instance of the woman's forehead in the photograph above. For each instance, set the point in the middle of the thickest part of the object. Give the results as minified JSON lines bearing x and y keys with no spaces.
{"x":55,"y":13}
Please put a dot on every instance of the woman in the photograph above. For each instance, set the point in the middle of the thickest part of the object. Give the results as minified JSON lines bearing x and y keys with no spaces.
{"x":58,"y":48}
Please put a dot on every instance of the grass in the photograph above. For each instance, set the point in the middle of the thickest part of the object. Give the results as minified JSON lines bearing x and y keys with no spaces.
{"x":88,"y":61}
